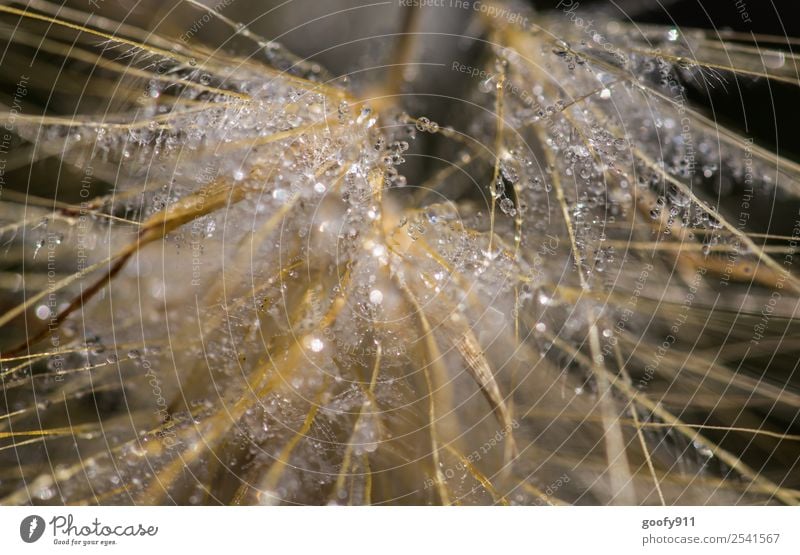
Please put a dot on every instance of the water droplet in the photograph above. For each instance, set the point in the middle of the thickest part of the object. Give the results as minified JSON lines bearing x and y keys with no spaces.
{"x":774,"y":60}
{"x":378,"y":251}
{"x":507,"y":206}
{"x":315,"y":344}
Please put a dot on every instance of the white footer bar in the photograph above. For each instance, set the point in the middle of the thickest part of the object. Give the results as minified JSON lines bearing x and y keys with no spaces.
{"x":400,"y":530}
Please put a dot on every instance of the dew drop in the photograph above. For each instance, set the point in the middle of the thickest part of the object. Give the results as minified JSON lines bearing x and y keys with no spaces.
{"x":376,"y":296}
{"x":43,"y":312}
{"x":316,"y":344}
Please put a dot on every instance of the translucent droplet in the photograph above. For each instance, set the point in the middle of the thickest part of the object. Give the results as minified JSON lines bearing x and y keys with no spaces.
{"x":774,"y":60}
{"x":43,"y":312}
{"x":315,"y":344}
{"x":507,"y":206}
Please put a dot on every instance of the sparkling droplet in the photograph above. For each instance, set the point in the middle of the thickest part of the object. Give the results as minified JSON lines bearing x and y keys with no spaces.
{"x":507,"y":206}
{"x":316,"y":344}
